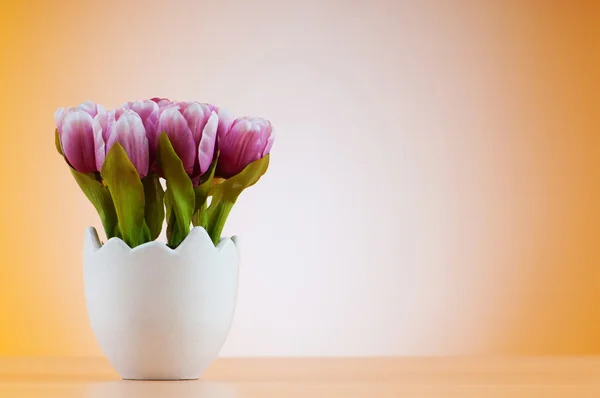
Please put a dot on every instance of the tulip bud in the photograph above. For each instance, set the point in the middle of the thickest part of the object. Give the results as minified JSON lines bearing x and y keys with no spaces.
{"x":127,"y":128}
{"x":88,"y":107}
{"x":192,"y":130}
{"x":161,"y":102}
{"x":225,"y":119}
{"x":248,"y":139}
{"x":82,"y":146}
{"x":203,"y":123}
{"x":148,"y":111}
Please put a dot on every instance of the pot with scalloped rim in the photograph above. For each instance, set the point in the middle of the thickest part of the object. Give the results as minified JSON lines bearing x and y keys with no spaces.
{"x":159,"y":313}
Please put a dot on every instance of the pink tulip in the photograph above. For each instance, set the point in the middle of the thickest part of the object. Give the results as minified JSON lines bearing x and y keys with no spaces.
{"x":89,"y":107}
{"x":248,"y":139}
{"x":149,"y":112}
{"x":192,"y":130}
{"x":82,"y":146}
{"x":161,"y":102}
{"x":225,"y":120}
{"x":127,"y":128}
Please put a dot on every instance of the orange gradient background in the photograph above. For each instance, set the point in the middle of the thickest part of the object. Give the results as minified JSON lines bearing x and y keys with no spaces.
{"x":434,"y":187}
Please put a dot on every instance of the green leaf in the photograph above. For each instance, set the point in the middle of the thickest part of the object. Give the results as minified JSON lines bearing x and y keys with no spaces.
{"x":201,"y":193}
{"x":206,"y":180}
{"x":170,"y":228}
{"x":199,"y":218}
{"x":100,"y":197}
{"x":175,"y":232}
{"x":168,"y":205}
{"x":179,"y":188}
{"x":154,"y":211}
{"x":127,"y":192}
{"x":225,"y":194}
{"x":57,"y":142}
{"x":216,"y":216}
{"x":169,"y":216}
{"x":174,"y":235}
{"x":145,"y":235}
{"x":232,"y":187}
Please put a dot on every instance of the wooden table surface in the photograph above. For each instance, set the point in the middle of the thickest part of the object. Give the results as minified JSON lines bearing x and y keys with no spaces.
{"x":573,"y":377}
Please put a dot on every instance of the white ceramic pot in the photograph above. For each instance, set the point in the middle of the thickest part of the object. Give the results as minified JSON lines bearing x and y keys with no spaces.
{"x":158,"y":313}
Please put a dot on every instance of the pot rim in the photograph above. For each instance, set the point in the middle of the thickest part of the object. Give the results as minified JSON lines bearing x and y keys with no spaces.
{"x":197,"y":234}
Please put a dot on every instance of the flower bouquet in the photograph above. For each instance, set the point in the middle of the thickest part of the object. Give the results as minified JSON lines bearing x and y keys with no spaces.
{"x":161,"y":310}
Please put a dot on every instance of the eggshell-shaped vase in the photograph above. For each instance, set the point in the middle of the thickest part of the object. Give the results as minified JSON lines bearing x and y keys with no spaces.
{"x":159,"y":313}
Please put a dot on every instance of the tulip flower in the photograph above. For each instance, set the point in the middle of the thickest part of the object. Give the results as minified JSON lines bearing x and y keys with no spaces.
{"x":127,"y":128}
{"x":225,"y":120}
{"x":81,"y":145}
{"x":192,"y":130}
{"x":131,"y":205}
{"x":161,"y":102}
{"x":248,"y":139}
{"x":148,"y":110}
{"x":88,"y":107}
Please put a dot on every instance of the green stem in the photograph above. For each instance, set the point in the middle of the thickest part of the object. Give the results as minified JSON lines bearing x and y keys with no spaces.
{"x":218,"y":222}
{"x":199,"y":218}
{"x":176,"y":231}
{"x":145,"y":234}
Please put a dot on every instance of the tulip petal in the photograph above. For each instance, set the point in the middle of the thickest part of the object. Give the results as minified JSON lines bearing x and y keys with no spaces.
{"x":251,"y":146}
{"x":206,"y":148}
{"x":183,"y":105}
{"x":196,"y":116}
{"x":59,"y":116}
{"x":176,"y":127}
{"x":129,"y":131}
{"x":225,"y":122}
{"x":100,"y":126}
{"x":91,"y":108}
{"x":248,"y":140}
{"x":99,"y":145}
{"x":110,"y":120}
{"x":270,"y":141}
{"x":148,"y":111}
{"x":161,"y":101}
{"x":78,"y":141}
